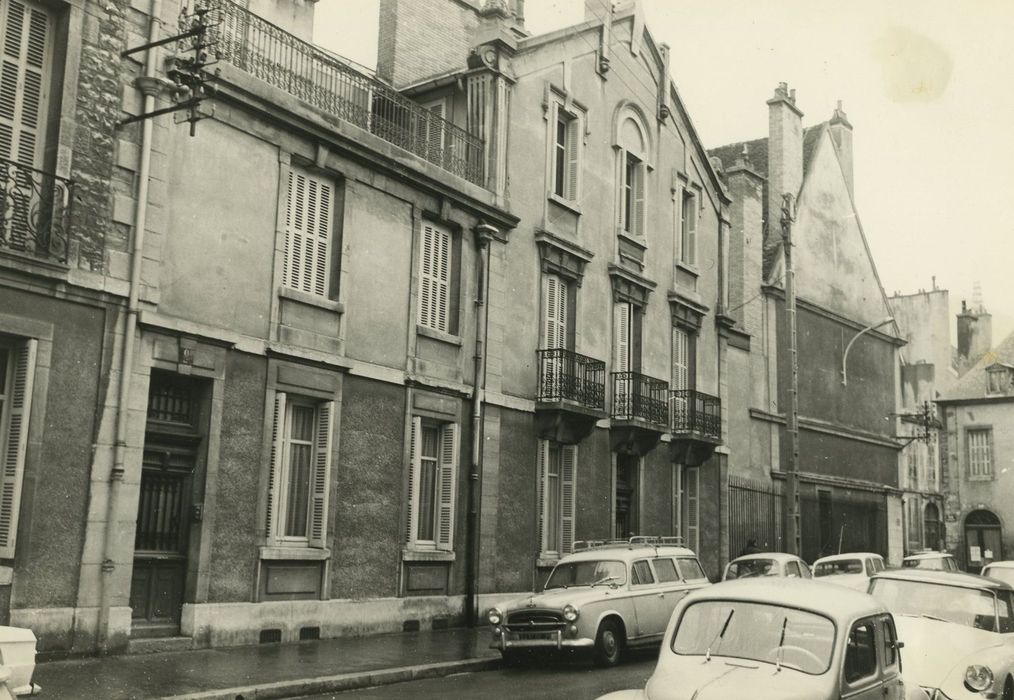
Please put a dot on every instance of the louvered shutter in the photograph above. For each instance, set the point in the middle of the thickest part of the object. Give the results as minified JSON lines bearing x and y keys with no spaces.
{"x":321,"y":474}
{"x":415,"y":459}
{"x":447,"y":486}
{"x":621,"y":330}
{"x":434,"y":133}
{"x":275,"y":468}
{"x":637,"y":192}
{"x":571,"y":146}
{"x":20,"y":411}
{"x":24,"y":83}
{"x":621,"y":209}
{"x":434,"y":278}
{"x":308,"y":224}
{"x":568,"y":478}
{"x":680,"y":359}
{"x":691,"y":230}
{"x":692,"y":490}
{"x":542,"y":467}
{"x":555,"y":314}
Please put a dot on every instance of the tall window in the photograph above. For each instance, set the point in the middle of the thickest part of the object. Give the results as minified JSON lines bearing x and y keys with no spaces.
{"x":627,"y":496}
{"x":688,"y":228}
{"x":565,"y":155}
{"x":688,"y":493}
{"x":300,"y":470}
{"x":913,"y":467}
{"x":27,"y":35}
{"x":980,"y":453}
{"x":555,"y":295}
{"x":432,"y":484}
{"x":626,"y":337}
{"x":17,"y":373}
{"x":632,"y":196}
{"x":435,"y":278}
{"x":309,"y":222}
{"x":557,"y":475}
{"x":632,"y":155}
{"x":998,"y":380}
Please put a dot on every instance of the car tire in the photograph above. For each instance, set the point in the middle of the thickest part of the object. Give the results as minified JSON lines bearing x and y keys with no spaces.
{"x":608,"y":644}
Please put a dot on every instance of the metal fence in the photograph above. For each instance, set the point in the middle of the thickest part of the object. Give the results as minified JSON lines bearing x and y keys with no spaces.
{"x":268,"y":52}
{"x":570,"y":376}
{"x":35,"y":211}
{"x":754,"y":514}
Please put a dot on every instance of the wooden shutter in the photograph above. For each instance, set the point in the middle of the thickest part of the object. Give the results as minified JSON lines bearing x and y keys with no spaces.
{"x":692,"y":490}
{"x":637,"y":192}
{"x":555,"y":312}
{"x":691,"y":230}
{"x":447,"y":485}
{"x":308,"y":223}
{"x":20,"y":399}
{"x":568,"y":476}
{"x":275,"y":468}
{"x":621,"y":333}
{"x":542,"y":467}
{"x":621,"y":208}
{"x":321,"y":474}
{"x":27,"y":37}
{"x":434,"y":278}
{"x":571,"y":146}
{"x":415,"y":463}
{"x":680,"y":359}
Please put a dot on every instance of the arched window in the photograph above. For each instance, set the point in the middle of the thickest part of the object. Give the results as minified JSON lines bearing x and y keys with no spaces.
{"x":633,"y":147}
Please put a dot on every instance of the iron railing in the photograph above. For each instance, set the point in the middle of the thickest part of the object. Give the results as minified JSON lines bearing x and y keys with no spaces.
{"x":695,"y":412}
{"x":35,"y":211}
{"x":638,"y":396}
{"x":268,"y":52}
{"x":570,"y":376}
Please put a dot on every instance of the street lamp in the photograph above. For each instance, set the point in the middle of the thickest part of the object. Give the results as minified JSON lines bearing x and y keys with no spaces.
{"x":844,"y":357}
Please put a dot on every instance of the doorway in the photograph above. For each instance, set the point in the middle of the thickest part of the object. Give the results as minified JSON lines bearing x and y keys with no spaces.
{"x":626,"y":496}
{"x":983,"y":540}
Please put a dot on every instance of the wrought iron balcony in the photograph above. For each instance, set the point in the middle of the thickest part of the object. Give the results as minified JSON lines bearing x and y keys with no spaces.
{"x":695,"y":413}
{"x":636,"y":396}
{"x":36,"y":208}
{"x":324,"y":81}
{"x":570,"y":376}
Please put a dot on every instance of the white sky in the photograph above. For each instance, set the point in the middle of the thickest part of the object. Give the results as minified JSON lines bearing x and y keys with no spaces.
{"x":928,"y":86}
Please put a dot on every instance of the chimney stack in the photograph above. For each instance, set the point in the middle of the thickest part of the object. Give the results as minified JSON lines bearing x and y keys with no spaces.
{"x":975,"y":333}
{"x":785,"y":149}
{"x":841,"y":132}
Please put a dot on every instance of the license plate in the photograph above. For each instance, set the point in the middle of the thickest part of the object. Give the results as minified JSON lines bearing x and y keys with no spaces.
{"x":535,"y":635}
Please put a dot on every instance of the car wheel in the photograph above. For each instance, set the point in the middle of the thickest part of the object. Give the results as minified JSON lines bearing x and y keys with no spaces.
{"x":608,"y":644}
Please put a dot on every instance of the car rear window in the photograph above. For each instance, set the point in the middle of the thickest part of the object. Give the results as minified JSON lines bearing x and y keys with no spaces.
{"x":690,"y":568}
{"x":842,"y":566}
{"x":750,"y":568}
{"x":665,"y":570}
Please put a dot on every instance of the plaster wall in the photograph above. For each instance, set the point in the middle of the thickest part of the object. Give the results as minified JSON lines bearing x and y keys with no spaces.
{"x":925,"y":322}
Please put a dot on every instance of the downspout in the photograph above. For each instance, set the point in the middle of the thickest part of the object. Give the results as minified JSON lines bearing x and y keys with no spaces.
{"x":484,"y":234}
{"x":149,"y":86}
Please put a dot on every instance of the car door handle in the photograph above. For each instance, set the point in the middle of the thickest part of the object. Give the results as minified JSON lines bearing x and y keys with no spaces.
{"x":661,"y":595}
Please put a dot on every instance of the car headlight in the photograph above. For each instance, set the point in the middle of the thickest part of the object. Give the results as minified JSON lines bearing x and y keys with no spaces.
{"x":570,"y":613}
{"x":494,"y":616}
{"x":978,"y":678}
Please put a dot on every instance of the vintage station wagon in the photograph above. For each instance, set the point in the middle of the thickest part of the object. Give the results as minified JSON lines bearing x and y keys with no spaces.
{"x":601,"y":599}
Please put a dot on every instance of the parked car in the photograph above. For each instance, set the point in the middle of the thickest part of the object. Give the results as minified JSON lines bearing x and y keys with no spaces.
{"x":601,"y":599}
{"x":1001,"y":571}
{"x":958,"y":631}
{"x":852,"y":570}
{"x":941,"y":561}
{"x":777,"y":638}
{"x":766,"y":564}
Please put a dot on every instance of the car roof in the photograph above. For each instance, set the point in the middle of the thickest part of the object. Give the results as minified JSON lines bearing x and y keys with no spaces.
{"x":627,"y":553}
{"x":928,"y":555}
{"x":1009,"y":564}
{"x":777,"y":556}
{"x":845,"y":556}
{"x":947,"y":578}
{"x":805,"y":594}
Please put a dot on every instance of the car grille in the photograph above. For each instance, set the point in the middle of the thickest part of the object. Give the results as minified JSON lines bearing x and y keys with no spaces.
{"x":534,"y":621}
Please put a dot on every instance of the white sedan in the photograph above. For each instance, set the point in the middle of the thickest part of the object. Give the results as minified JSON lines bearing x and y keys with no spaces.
{"x":766,"y":564}
{"x":852,"y":570}
{"x":958,"y":631}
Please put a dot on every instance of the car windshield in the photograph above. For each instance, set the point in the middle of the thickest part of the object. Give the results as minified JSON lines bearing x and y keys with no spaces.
{"x":842,"y":566}
{"x":747,"y":568}
{"x":587,"y":573}
{"x":758,"y":632}
{"x":1000,"y":573}
{"x":971,"y":607}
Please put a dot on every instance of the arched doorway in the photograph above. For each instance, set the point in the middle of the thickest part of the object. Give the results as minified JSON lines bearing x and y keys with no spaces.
{"x":983,"y":540}
{"x":932,"y":527}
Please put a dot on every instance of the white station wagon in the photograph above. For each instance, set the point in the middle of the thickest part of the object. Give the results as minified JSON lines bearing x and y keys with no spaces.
{"x":601,"y":599}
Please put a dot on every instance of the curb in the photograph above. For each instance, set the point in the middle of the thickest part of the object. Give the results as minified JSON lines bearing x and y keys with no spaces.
{"x":343,"y":681}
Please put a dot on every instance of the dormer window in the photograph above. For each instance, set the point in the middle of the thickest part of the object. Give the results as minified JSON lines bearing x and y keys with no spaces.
{"x":998,"y":380}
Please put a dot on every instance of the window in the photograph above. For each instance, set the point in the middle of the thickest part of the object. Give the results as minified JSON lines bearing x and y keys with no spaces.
{"x":17,"y":374}
{"x":626,"y":337}
{"x":437,"y":307}
{"x":665,"y":570}
{"x":309,"y":224}
{"x":300,"y":476}
{"x":913,"y":467}
{"x":682,"y":377}
{"x":998,"y":380}
{"x":691,"y":507}
{"x":890,"y":642}
{"x":632,"y":196}
{"x":565,"y":155}
{"x":688,"y":228}
{"x":690,"y":568}
{"x":557,"y":471}
{"x":640,"y":573}
{"x":860,"y":653}
{"x":27,"y":32}
{"x":432,"y":484}
{"x":980,"y":453}
{"x":631,"y":171}
{"x":555,"y":298}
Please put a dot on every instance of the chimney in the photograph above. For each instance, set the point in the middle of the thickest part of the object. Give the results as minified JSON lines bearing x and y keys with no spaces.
{"x":785,"y":148}
{"x":975,"y":333}
{"x":597,"y":10}
{"x":746,"y":243}
{"x":841,"y":132}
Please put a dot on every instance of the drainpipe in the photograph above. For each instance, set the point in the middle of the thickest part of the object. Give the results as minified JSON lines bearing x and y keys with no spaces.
{"x":149,"y":86}
{"x":484,"y":234}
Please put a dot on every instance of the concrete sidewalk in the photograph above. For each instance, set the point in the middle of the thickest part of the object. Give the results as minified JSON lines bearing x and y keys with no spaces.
{"x":270,"y":670}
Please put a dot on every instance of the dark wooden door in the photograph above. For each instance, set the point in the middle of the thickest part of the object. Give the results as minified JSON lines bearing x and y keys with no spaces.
{"x":161,"y":542}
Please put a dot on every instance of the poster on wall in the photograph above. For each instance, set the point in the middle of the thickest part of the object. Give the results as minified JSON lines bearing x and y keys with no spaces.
{"x":973,"y":554}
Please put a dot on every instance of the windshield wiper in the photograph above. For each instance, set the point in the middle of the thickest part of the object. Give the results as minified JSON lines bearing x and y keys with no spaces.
{"x":606,"y":579}
{"x":721,"y":635}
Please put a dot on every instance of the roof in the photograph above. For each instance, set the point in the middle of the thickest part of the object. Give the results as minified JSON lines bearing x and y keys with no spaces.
{"x":776,"y":556}
{"x":628,"y":553}
{"x":972,"y":384}
{"x":1001,"y":565}
{"x":804,"y":594}
{"x":847,"y":556}
{"x":945,"y":578}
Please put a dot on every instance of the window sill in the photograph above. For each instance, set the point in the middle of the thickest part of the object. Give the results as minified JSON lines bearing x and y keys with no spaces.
{"x":311,"y":300}
{"x":294,"y":552}
{"x":438,"y":335}
{"x":567,"y":204}
{"x":410,"y":554}
{"x":688,"y":268}
{"x":638,"y":241}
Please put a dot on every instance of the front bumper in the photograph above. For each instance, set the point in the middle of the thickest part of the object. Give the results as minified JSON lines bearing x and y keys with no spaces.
{"x":504,"y":639}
